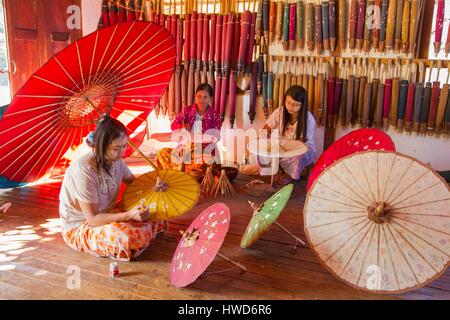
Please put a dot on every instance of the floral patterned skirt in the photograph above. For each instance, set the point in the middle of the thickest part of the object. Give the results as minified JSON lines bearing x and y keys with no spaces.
{"x":118,"y":240}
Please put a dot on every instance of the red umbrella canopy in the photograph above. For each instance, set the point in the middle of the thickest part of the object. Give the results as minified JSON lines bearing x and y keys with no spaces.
{"x":364,"y":139}
{"x":199,"y":245}
{"x":122,"y":70}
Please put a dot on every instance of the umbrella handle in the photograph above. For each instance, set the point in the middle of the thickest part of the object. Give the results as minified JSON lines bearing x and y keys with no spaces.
{"x":291,"y":234}
{"x":243,"y":268}
{"x":131,"y":144}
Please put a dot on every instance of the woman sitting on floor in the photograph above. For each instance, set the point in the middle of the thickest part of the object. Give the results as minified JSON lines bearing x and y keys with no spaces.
{"x":198,"y":118}
{"x":90,"y":222}
{"x":294,"y":121}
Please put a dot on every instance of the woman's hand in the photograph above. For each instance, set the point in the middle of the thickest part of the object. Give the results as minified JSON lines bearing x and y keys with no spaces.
{"x":139,"y":213}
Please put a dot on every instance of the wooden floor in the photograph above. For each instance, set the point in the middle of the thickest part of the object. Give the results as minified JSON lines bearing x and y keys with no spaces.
{"x":35,"y":263}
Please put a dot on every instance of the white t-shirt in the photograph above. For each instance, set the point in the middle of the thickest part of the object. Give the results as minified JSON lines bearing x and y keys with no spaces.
{"x":82,"y":182}
{"x":275,"y":121}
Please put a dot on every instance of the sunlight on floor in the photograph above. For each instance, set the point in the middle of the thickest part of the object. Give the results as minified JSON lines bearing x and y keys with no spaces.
{"x":23,"y":239}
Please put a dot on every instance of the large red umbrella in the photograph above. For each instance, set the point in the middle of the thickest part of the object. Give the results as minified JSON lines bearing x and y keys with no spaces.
{"x":122,"y":70}
{"x":364,"y":139}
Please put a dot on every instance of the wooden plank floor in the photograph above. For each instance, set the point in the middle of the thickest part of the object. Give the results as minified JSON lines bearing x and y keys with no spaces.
{"x":35,"y":262}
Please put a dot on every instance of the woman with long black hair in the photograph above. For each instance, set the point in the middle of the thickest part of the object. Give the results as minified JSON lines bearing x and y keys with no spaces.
{"x":295,"y":122}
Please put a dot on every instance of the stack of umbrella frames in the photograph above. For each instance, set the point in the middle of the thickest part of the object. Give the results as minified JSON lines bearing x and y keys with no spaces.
{"x":214,"y":48}
{"x":317,"y":25}
{"x":366,"y":92}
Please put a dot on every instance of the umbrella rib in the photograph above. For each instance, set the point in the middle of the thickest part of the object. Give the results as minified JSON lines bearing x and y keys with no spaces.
{"x":148,"y":68}
{"x":365,"y":257}
{"x":67,"y":73}
{"x":388,"y":176}
{"x":133,"y":104}
{"x":146,"y":61}
{"x":71,"y":144}
{"x":409,"y":244}
{"x":124,"y":72}
{"x":346,"y":242}
{"x":335,"y":191}
{"x":128,"y":113}
{"x":46,"y":136}
{"x":104,"y":54}
{"x":419,"y":224}
{"x":126,"y":76}
{"x":367,"y":179}
{"x":181,"y":194}
{"x":338,"y":221}
{"x":148,"y":77}
{"x":171,"y":202}
{"x":33,"y":109}
{"x":420,"y":214}
{"x":146,"y":86}
{"x":55,"y":84}
{"x":399,"y":180}
{"x":93,"y":56}
{"x":423,"y":203}
{"x":338,"y":211}
{"x":390,"y":256}
{"x":425,"y":241}
{"x":22,"y":154}
{"x":59,"y":155}
{"x":133,"y":54}
{"x":356,"y":248}
{"x":337,"y":234}
{"x":378,"y":226}
{"x":367,"y":197}
{"x":102,"y":74}
{"x":414,"y":194}
{"x":30,"y":129}
{"x":401,"y":252}
{"x":41,"y":96}
{"x":410,"y":185}
{"x":30,"y":120}
{"x":378,"y":176}
{"x":335,"y":201}
{"x":79,"y":63}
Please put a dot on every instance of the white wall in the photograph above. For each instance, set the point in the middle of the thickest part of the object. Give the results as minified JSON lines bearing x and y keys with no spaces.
{"x":90,"y":10}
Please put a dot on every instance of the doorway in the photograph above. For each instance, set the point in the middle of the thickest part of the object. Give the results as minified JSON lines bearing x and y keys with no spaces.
{"x":5,"y":86}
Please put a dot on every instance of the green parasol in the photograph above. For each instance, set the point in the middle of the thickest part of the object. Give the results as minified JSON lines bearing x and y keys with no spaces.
{"x":266,"y":214}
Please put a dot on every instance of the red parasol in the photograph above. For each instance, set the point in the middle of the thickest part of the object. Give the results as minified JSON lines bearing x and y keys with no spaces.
{"x":218,"y":47}
{"x":212,"y":42}
{"x":292,"y":25}
{"x":105,"y":14}
{"x":200,"y":244}
{"x":187,"y":41}
{"x":139,"y":10}
{"x":251,"y":43}
{"x":363,"y":139}
{"x":232,"y":98}
{"x":205,"y":40}
{"x":122,"y":14}
{"x":193,"y":37}
{"x":121,"y":70}
{"x":130,"y":11}
{"x":235,"y":41}
{"x":439,"y":26}
{"x":113,"y":13}
{"x":245,"y":28}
